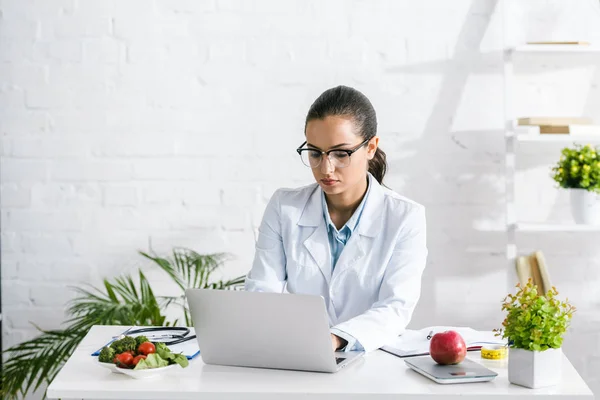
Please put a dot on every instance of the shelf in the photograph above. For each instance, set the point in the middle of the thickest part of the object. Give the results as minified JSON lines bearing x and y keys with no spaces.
{"x":547,"y":227}
{"x":558,"y":138}
{"x":531,"y":133}
{"x":554,"y":48}
{"x":543,"y":227}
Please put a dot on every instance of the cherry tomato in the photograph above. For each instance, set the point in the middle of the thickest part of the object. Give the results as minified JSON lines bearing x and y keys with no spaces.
{"x":137,"y":359}
{"x":146,"y":348}
{"x":124,"y":360}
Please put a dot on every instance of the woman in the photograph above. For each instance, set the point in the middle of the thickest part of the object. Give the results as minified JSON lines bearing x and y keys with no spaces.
{"x":346,"y":238}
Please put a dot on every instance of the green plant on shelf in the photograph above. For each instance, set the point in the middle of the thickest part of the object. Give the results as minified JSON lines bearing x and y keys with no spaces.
{"x":121,"y":301}
{"x":578,"y":168}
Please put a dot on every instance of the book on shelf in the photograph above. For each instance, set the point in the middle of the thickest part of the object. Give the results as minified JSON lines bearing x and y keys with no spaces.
{"x":554,"y":121}
{"x":572,"y":42}
{"x":570,"y":129}
{"x":533,"y":266}
{"x":543,"y":269}
{"x":573,"y":130}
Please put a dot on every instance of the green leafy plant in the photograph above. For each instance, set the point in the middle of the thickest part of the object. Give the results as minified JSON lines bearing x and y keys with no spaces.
{"x":578,"y":168}
{"x":535,"y":321}
{"x":121,"y":301}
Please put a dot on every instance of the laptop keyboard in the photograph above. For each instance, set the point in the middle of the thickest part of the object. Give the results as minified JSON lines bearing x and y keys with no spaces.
{"x":339,"y":359}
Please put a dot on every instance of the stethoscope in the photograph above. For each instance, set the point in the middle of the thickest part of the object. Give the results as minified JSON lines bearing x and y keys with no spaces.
{"x":175,"y":338}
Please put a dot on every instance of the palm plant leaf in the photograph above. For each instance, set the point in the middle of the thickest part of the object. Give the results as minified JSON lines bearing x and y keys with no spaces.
{"x":37,"y":361}
{"x":122,"y":304}
{"x":168,"y":268}
{"x":187,"y":268}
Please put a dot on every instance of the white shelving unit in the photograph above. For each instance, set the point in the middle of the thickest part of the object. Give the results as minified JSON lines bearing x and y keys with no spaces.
{"x":554,"y":48}
{"x":526,"y":134}
{"x":560,"y":138}
{"x":514,"y":135}
{"x":544,"y":227}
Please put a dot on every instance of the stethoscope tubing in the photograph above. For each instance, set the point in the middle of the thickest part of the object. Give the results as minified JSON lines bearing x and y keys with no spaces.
{"x":179,"y":338}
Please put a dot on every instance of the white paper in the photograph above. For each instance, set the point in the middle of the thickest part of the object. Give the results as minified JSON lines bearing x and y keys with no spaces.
{"x":189,"y":348}
{"x":415,"y":342}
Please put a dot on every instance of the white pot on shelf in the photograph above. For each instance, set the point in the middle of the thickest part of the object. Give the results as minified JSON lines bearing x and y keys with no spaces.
{"x":534,"y":369}
{"x":585,"y":206}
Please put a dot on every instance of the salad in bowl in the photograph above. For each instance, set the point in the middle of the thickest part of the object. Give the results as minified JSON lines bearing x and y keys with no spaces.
{"x":138,"y":357}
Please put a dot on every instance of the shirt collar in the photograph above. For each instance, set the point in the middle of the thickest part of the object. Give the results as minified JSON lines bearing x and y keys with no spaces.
{"x":353,"y":221}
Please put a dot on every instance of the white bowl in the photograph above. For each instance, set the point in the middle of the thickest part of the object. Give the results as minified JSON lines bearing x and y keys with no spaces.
{"x":109,"y":366}
{"x":137,"y":374}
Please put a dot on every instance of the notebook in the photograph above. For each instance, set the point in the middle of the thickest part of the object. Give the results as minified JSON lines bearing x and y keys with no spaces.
{"x":466,"y":372}
{"x":189,"y":349}
{"x":415,"y":342}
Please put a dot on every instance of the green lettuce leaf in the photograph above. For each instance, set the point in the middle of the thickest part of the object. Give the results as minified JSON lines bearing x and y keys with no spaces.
{"x":166,"y":354}
{"x":152,"y":361}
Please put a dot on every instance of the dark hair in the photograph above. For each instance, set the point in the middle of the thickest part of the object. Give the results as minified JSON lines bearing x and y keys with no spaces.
{"x":346,"y":101}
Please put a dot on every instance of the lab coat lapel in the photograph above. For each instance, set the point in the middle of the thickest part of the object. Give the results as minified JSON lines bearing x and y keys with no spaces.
{"x":371,"y":220}
{"x":353,"y":251}
{"x":369,"y":226}
{"x":317,"y":243}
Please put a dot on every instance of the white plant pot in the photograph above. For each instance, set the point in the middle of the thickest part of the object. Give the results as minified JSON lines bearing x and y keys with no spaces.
{"x":585,"y":206}
{"x":534,"y":369}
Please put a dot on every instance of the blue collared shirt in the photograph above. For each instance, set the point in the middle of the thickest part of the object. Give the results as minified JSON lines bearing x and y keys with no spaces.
{"x":337,"y":242}
{"x":338,"y":239}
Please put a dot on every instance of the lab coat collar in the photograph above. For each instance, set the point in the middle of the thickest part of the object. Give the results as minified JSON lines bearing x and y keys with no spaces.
{"x":370,"y":223}
{"x":317,"y":243}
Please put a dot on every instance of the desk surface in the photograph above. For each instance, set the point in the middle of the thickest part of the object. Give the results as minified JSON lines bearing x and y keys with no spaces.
{"x":377,"y":375}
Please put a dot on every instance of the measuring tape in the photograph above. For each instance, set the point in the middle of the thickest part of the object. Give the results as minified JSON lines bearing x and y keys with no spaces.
{"x":494,"y":352}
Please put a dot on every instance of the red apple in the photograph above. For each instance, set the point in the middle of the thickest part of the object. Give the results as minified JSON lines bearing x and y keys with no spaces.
{"x":447,"y":348}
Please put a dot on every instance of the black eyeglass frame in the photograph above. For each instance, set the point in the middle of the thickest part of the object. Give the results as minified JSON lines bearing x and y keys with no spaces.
{"x":349,"y":152}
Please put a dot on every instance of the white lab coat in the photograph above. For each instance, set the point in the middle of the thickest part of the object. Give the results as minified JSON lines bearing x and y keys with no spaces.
{"x":377,"y":280}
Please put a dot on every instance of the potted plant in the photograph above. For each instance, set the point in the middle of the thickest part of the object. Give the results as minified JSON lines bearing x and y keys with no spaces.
{"x":534,"y":326}
{"x":123,"y":300}
{"x":579,"y":171}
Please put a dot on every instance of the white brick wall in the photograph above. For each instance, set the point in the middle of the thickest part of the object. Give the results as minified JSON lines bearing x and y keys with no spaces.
{"x":124,"y":122}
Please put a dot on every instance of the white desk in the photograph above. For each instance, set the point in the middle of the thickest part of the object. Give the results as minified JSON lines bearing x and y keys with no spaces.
{"x":378,"y":375}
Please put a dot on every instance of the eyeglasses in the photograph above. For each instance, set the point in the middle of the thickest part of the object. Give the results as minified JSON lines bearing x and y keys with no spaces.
{"x":338,"y":158}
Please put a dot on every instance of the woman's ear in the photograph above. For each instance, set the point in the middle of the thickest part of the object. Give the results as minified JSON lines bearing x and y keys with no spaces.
{"x":372,"y":147}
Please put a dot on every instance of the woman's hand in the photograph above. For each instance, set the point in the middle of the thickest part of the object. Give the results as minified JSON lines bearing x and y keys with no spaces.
{"x":337,"y":342}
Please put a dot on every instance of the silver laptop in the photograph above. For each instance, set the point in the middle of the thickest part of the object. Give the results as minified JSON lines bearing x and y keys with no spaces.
{"x":264,"y":330}
{"x":465,"y":372}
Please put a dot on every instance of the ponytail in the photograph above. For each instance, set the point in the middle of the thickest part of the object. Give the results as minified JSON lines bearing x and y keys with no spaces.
{"x":378,"y":165}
